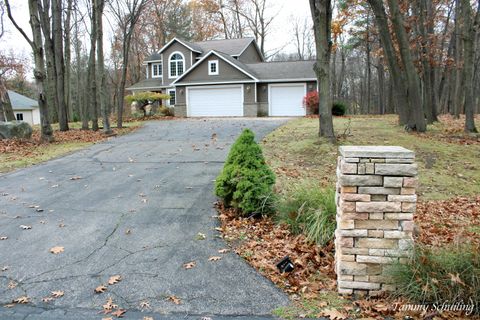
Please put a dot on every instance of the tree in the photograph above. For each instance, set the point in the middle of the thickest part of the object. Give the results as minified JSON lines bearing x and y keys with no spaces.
{"x":8,"y":64}
{"x":39,"y":71}
{"x":92,"y":69}
{"x":145,"y":98}
{"x":321,"y":11}
{"x":126,"y":14}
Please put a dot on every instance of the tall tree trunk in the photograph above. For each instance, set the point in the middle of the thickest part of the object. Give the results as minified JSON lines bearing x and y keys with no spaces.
{"x":468,"y":34}
{"x":396,"y":74}
{"x":417,"y":120}
{"x":6,"y":110}
{"x":458,"y":92}
{"x":322,"y":18}
{"x":59,"y":63}
{"x":92,"y":78}
{"x":101,"y":76}
{"x":381,"y":87}
{"x":68,"y":59}
{"x":368,"y":69}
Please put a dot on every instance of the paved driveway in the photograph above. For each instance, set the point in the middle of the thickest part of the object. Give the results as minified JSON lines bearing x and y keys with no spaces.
{"x":136,"y":212}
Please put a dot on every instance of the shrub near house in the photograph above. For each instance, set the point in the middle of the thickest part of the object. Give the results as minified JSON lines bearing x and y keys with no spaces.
{"x":310,"y":102}
{"x":246,"y":182}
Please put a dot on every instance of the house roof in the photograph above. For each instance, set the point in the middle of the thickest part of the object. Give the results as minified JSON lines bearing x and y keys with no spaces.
{"x":20,"y":102}
{"x":284,"y":70}
{"x":233,"y":47}
{"x":147,"y":84}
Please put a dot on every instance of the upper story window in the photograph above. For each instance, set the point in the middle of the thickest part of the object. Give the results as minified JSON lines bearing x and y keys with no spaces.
{"x":156,"y":70}
{"x":176,"y":65}
{"x":213,"y":67}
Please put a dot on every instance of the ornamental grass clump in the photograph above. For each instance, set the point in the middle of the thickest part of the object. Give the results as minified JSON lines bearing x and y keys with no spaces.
{"x":246,"y":181}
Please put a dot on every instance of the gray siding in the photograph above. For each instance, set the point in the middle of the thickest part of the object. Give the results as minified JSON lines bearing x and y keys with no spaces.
{"x":166,"y":54}
{"x":226,"y":72}
{"x":250,"y":55}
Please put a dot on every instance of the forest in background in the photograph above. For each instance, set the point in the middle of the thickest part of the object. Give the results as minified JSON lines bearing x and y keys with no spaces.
{"x":81,"y":84}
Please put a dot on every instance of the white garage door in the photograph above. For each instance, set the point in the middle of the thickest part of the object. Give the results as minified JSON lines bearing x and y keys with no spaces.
{"x":224,"y":101}
{"x":287,"y":99}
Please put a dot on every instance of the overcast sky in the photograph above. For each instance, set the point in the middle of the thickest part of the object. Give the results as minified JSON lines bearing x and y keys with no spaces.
{"x":280,"y":33}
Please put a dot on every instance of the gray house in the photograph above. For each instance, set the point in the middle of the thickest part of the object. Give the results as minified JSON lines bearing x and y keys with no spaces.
{"x":226,"y":78}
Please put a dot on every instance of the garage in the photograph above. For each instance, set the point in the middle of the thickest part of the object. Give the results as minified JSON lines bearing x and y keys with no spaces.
{"x":215,"y":101}
{"x":287,"y":99}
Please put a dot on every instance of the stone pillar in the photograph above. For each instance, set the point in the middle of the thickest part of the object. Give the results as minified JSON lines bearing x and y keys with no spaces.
{"x":376,"y":201}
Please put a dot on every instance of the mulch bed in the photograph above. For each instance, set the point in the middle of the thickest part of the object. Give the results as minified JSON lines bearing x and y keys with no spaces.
{"x":263,"y":243}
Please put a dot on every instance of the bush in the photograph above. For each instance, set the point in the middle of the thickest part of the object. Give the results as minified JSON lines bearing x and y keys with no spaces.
{"x":310,"y":102}
{"x":338,"y":109}
{"x":310,"y":210}
{"x":435,"y":275}
{"x":246,"y":182}
{"x":166,"y":111}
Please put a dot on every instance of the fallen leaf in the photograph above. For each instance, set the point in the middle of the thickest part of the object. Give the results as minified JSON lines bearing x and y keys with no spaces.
{"x":144,"y":305}
{"x":57,"y":250}
{"x":61,"y":225}
{"x":174,"y":299}
{"x":455,"y":278}
{"x":3,"y":238}
{"x":10,"y":305}
{"x":333,"y":314}
{"x":128,"y":231}
{"x":114,"y":279}
{"x":109,"y":306}
{"x":214,"y":258}
{"x":55,"y":186}
{"x":201,"y":236}
{"x":24,"y":227}
{"x":39,"y":210}
{"x":12,"y":285}
{"x":190,"y":265}
{"x":147,"y":318}
{"x":57,"y":294}
{"x":5,"y":268}
{"x":100,"y":289}
{"x":219,"y":229}
{"x":47,"y":299}
{"x":107,"y":318}
{"x":22,"y":300}
{"x":223,"y":250}
{"x":119,"y":313}
{"x":75,"y":178}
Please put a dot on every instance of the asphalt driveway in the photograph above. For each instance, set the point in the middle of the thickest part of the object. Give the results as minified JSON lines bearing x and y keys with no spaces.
{"x":132,"y":206}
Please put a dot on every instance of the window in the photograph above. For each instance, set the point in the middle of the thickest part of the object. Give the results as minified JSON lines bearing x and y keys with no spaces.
{"x":176,"y":65}
{"x":171,"y":93}
{"x":19,"y":116}
{"x":156,"y":70}
{"x":213,"y":67}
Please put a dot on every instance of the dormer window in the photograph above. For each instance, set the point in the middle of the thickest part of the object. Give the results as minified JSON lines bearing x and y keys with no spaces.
{"x":157,"y":70}
{"x":176,"y":65}
{"x":213,"y":67}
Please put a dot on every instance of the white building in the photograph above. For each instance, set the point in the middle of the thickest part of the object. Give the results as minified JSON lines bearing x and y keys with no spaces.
{"x":25,"y":109}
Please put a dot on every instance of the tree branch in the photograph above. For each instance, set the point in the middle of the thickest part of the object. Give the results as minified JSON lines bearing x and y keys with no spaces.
{"x":10,"y":17}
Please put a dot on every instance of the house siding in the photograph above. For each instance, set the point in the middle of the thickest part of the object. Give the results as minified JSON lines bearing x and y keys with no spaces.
{"x":176,"y":46}
{"x":226,"y":72}
{"x":250,"y":55}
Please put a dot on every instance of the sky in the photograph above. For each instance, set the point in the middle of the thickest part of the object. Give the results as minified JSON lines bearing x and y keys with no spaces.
{"x":280,"y":34}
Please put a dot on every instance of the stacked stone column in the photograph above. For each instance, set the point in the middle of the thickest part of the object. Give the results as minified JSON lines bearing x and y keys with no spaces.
{"x":376,"y":200}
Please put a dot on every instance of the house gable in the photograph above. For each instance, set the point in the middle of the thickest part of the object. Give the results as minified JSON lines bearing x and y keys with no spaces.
{"x":227,"y":72}
{"x":251,"y":54}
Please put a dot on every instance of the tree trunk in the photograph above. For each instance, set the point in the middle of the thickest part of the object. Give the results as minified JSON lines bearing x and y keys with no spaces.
{"x":468,"y":35}
{"x":101,"y":76}
{"x":417,"y":120}
{"x":68,"y":60}
{"x":59,"y":63}
{"x":321,"y":11}
{"x":396,"y":73}
{"x":92,"y":78}
{"x":457,"y":93}
{"x":368,"y":69}
{"x":6,"y":110}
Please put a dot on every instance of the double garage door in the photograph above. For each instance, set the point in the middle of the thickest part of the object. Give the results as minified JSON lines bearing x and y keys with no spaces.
{"x":227,"y":101}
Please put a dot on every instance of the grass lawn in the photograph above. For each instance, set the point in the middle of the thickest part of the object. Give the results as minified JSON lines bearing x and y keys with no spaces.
{"x":16,"y":154}
{"x":448,"y":160}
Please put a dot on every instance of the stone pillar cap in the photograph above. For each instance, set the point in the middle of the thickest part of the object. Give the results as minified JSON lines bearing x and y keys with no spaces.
{"x":395,"y":152}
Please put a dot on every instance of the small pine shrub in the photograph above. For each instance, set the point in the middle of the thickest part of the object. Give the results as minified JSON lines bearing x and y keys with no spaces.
{"x":339,"y":109}
{"x":310,"y":210}
{"x":435,"y":275}
{"x":246,"y":182}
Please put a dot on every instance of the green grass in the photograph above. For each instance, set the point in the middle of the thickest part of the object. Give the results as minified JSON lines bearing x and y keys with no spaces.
{"x":445,"y":169}
{"x":311,"y":308}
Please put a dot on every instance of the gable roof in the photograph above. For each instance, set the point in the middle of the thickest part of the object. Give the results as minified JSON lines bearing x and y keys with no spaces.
{"x":20,"y":102}
{"x":284,"y":70}
{"x":225,"y":57}
{"x":232,"y":47}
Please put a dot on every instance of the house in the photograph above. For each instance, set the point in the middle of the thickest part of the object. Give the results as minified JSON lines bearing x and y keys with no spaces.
{"x":24,"y":108}
{"x":226,"y":78}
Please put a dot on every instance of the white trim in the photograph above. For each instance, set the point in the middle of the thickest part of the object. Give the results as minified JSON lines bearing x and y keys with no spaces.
{"x":144,"y":88}
{"x":288,"y":80}
{"x":210,"y":63}
{"x":151,"y":61}
{"x":281,"y":85}
{"x":214,"y":83}
{"x":187,"y":102}
{"x":175,"y":39}
{"x":158,"y":70}
{"x":256,"y":100}
{"x":191,"y":58}
{"x":205,"y":57}
{"x":169,"y":65}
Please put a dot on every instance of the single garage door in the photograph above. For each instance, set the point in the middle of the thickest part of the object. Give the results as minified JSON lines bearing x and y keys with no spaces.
{"x":218,"y":101}
{"x":287,"y":99}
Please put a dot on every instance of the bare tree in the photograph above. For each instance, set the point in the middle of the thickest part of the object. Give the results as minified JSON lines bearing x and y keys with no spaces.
{"x":39,"y":71}
{"x":126,"y":14}
{"x":302,"y":37}
{"x":322,"y":20}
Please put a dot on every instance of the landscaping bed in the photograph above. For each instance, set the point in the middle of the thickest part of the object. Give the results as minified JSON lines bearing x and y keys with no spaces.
{"x":448,"y":216}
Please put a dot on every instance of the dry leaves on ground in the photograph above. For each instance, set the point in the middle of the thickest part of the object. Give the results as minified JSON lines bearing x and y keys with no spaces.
{"x":100,"y":289}
{"x":174,"y":299}
{"x":190,"y":265}
{"x":114,"y":279}
{"x":57,"y":250}
{"x":214,"y":258}
{"x":57,"y":294}
{"x":22,"y":300}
